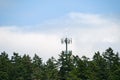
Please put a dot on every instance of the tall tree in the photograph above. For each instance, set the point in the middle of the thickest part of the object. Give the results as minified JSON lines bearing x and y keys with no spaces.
{"x":27,"y":67}
{"x":74,"y":73}
{"x":51,"y":69}
{"x":113,"y":63}
{"x":17,"y":67}
{"x":99,"y":64}
{"x":65,"y":64}
{"x":5,"y":66}
{"x":22,"y":68}
{"x":37,"y":68}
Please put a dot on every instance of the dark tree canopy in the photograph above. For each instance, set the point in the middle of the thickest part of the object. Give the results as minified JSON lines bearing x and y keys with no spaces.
{"x":103,"y":66}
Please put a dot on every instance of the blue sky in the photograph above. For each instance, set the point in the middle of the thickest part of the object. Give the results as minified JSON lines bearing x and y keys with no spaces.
{"x":34,"y":12}
{"x":36,"y":26}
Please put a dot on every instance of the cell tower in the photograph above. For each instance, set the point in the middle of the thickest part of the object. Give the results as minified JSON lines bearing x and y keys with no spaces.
{"x":66,"y":41}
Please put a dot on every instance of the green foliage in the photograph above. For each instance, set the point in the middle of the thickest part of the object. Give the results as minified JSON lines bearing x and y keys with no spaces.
{"x":51,"y":69}
{"x":103,"y":66}
{"x":4,"y":66}
{"x":37,"y":67}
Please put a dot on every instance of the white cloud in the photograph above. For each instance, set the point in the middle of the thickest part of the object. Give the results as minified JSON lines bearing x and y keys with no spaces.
{"x":45,"y":45}
{"x":90,"y":32}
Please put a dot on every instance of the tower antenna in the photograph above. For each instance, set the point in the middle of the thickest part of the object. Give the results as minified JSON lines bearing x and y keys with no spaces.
{"x":66,"y":41}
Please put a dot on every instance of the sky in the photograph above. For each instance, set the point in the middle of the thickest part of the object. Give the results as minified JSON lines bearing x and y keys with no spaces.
{"x":37,"y":26}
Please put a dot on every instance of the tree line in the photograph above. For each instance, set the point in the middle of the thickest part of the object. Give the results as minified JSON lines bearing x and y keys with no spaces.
{"x":103,"y":66}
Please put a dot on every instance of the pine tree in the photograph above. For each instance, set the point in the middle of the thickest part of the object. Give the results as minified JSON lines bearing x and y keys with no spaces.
{"x":37,"y":68}
{"x":113,"y":64}
{"x":51,"y":69}
{"x":99,"y":64}
{"x":5,"y":66}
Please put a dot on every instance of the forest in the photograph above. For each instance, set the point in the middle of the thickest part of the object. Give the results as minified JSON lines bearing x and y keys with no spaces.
{"x":102,"y":66}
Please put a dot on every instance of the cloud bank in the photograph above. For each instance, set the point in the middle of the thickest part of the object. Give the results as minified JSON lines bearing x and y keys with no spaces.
{"x":89,"y":32}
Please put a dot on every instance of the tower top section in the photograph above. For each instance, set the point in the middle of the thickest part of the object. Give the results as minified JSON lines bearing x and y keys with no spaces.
{"x":66,"y":41}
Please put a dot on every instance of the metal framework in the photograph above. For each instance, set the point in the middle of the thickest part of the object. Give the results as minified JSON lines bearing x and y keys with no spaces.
{"x":66,"y":41}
